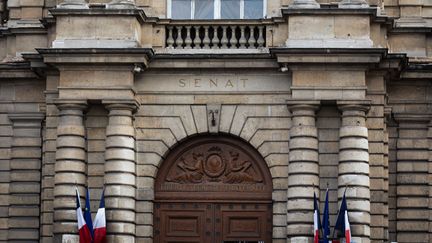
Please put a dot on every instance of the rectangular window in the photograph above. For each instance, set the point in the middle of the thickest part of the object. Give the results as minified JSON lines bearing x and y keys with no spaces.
{"x":253,"y":9}
{"x":204,"y":9}
{"x":181,"y":9}
{"x":216,"y":9}
{"x":230,"y":9}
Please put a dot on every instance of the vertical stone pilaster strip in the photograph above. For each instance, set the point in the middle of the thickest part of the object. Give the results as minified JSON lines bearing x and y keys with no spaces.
{"x":386,"y":182}
{"x":354,"y":169}
{"x":70,"y":168}
{"x":25,"y":164}
{"x":430,"y":178}
{"x":120,"y":173}
{"x":303,"y":172}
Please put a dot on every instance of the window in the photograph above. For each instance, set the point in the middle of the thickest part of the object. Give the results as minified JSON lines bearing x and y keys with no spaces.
{"x":216,"y":9}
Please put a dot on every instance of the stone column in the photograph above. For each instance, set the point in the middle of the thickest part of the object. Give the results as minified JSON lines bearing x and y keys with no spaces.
{"x":73,"y":4}
{"x":25,"y":177}
{"x":122,"y":4}
{"x":70,"y":168}
{"x":120,"y":172}
{"x":304,"y":4}
{"x":353,"y":4}
{"x":303,"y":172}
{"x":354,"y":169}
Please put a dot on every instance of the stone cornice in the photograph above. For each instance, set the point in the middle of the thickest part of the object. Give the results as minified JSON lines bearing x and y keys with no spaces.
{"x":329,"y":55}
{"x":329,"y":11}
{"x":412,"y":117}
{"x":16,"y":71}
{"x":100,"y":11}
{"x":26,"y":116}
{"x":106,"y":56}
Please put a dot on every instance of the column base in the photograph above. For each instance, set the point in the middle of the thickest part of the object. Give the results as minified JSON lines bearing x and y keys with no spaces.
{"x":353,"y":4}
{"x":120,"y":238}
{"x":360,"y":240}
{"x":121,"y":4}
{"x":73,"y":4}
{"x":304,"y":4}
{"x":65,"y":238}
{"x":300,"y":239}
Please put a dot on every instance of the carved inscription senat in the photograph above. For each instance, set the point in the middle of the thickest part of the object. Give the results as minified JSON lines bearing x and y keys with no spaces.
{"x":212,"y":83}
{"x":213,"y":168}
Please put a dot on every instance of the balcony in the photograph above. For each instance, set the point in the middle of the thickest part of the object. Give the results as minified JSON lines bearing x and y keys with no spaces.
{"x":215,"y":35}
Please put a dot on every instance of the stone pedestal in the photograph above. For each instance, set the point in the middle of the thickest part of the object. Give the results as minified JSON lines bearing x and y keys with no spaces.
{"x":353,"y":4}
{"x":304,"y":4}
{"x":303,"y":171}
{"x":70,"y":168}
{"x":73,"y":4}
{"x":120,"y":173}
{"x":122,"y":4}
{"x":354,"y":169}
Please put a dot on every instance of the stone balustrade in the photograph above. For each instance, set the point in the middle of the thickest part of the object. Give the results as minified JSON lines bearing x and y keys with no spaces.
{"x":215,"y":36}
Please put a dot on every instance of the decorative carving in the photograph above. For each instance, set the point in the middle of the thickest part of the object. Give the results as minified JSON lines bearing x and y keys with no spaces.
{"x":206,"y":164}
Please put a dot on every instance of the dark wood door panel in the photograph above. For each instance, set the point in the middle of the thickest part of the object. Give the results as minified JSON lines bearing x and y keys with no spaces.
{"x":244,"y":222}
{"x":212,"y":222}
{"x":185,"y":222}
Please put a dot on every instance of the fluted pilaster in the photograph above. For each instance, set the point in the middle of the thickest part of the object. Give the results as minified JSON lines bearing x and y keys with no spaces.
{"x":303,"y":172}
{"x":354,"y":169}
{"x":120,"y":173}
{"x":70,"y":168}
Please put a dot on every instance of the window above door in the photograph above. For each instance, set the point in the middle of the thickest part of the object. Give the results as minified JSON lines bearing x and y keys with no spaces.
{"x":216,"y":9}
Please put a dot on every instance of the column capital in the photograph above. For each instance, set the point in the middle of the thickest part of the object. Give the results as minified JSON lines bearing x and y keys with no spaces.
{"x":295,"y":105}
{"x":360,"y":105}
{"x":131,"y":105}
{"x":66,"y":104}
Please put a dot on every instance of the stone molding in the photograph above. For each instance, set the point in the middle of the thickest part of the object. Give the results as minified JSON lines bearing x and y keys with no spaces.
{"x":353,"y":4}
{"x":122,"y":4}
{"x":304,"y":4}
{"x":73,"y":4}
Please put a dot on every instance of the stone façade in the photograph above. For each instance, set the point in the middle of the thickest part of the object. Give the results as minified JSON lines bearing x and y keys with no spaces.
{"x":330,"y":95}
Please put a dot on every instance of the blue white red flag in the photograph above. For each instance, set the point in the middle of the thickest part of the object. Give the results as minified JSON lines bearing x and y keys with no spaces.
{"x":100,"y":222}
{"x":87,"y":213}
{"x":342,"y":222}
{"x":83,"y":229}
{"x":317,"y":223}
{"x":326,"y":219}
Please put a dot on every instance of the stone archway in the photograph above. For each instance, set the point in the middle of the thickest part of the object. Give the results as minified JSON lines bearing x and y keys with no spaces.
{"x":213,"y":189}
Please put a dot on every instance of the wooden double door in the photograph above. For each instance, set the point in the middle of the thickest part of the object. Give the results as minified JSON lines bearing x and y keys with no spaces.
{"x":213,"y":189}
{"x":212,"y":222}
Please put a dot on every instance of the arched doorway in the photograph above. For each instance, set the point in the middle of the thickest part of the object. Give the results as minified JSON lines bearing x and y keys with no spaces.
{"x":213,"y":189}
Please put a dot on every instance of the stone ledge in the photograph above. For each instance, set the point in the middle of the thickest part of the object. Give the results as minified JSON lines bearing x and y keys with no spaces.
{"x":139,"y":13}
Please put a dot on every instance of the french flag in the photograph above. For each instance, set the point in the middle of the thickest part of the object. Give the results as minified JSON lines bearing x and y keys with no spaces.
{"x":84,"y":231}
{"x":342,"y":222}
{"x":317,"y":223}
{"x":99,"y":225}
